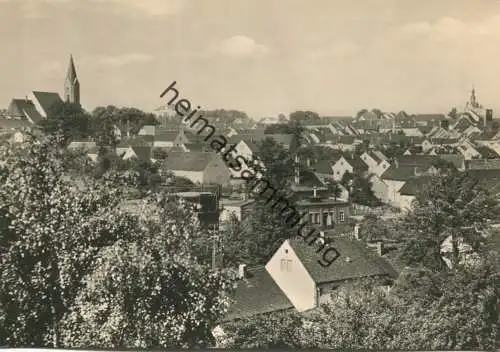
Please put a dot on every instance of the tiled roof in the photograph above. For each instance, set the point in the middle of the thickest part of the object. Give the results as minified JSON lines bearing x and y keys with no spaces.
{"x":21,"y":107}
{"x":357,"y":164}
{"x":188,"y":161}
{"x":416,"y":160}
{"x":483,"y":164}
{"x":14,"y":124}
{"x":487,"y":153}
{"x":457,"y":160}
{"x":258,"y":293}
{"x":429,"y":117}
{"x":444,"y":141}
{"x":402,"y":173}
{"x":322,"y":167}
{"x":415,"y":185}
{"x":166,"y":136}
{"x":355,"y":261}
{"x":375,"y":157}
{"x":47,"y":100}
{"x":143,"y":153}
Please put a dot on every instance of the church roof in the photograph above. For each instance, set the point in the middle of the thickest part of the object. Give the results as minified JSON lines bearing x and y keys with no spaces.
{"x":47,"y":100}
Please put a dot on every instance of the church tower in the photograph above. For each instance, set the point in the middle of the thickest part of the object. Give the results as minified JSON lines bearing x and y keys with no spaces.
{"x":473,"y":103}
{"x":71,"y":85}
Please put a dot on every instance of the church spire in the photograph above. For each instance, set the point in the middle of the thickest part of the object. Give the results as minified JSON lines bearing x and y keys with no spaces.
{"x":71,"y":84}
{"x":473,"y":100}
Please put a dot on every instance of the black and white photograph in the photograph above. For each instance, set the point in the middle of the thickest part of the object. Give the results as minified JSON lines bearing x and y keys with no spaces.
{"x":249,"y":174}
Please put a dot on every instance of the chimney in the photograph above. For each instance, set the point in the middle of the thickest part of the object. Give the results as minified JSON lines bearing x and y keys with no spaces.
{"x":380,"y":248}
{"x":315,"y":192}
{"x":308,"y":162}
{"x":242,"y":271}
{"x":396,"y":163}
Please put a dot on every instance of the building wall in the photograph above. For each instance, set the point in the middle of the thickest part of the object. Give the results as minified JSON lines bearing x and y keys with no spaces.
{"x":381,"y":168}
{"x":147,"y":130}
{"x":217,"y":172}
{"x":228,"y":210}
{"x":380,"y":188}
{"x":292,"y":278}
{"x":393,"y":191}
{"x":163,"y":144}
{"x":406,"y":202}
{"x":368,"y":160}
{"x":340,"y":168}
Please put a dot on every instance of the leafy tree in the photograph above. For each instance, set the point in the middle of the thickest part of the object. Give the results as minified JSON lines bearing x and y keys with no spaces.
{"x":453,"y":205}
{"x":360,"y":189}
{"x":361,"y":113}
{"x":300,"y":116}
{"x":159,"y":153}
{"x":424,"y":311}
{"x":334,"y":189}
{"x":453,"y":113}
{"x":68,"y":120}
{"x":50,"y":232}
{"x":152,"y":291}
{"x":378,"y":112}
{"x":66,"y":248}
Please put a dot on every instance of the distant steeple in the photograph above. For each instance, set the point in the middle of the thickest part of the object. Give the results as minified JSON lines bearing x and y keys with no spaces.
{"x":473,"y":100}
{"x":71,"y":84}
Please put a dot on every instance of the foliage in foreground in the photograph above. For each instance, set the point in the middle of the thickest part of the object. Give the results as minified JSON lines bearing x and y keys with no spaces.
{"x":78,"y":271}
{"x":425,"y":311}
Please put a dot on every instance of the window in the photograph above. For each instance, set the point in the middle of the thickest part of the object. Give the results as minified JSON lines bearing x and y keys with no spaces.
{"x":316,"y":218}
{"x":341,"y":216}
{"x":283,"y":265}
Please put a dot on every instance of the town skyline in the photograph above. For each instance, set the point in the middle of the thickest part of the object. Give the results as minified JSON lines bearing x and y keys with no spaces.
{"x":422,"y":57}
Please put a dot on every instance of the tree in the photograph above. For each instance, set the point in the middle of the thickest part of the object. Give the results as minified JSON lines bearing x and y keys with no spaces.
{"x":68,"y":120}
{"x":451,"y":206}
{"x":66,"y":248}
{"x":424,"y":311}
{"x":360,"y":189}
{"x":152,"y":291}
{"x":334,"y":189}
{"x":453,"y":113}
{"x":49,"y":235}
{"x":361,"y":113}
{"x":300,"y":116}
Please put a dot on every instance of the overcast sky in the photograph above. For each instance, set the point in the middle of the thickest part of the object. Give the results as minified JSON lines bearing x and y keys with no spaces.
{"x":260,"y":56}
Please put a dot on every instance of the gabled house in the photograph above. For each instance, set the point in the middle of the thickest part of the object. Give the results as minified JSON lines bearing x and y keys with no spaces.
{"x":23,"y":109}
{"x":343,"y":143}
{"x":140,"y":153}
{"x":297,"y":262}
{"x":199,"y":167}
{"x":353,"y":166}
{"x":148,"y":130}
{"x":172,"y":138}
{"x":409,"y":191}
{"x":373,"y":159}
{"x":395,"y":178}
{"x":294,"y":279}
